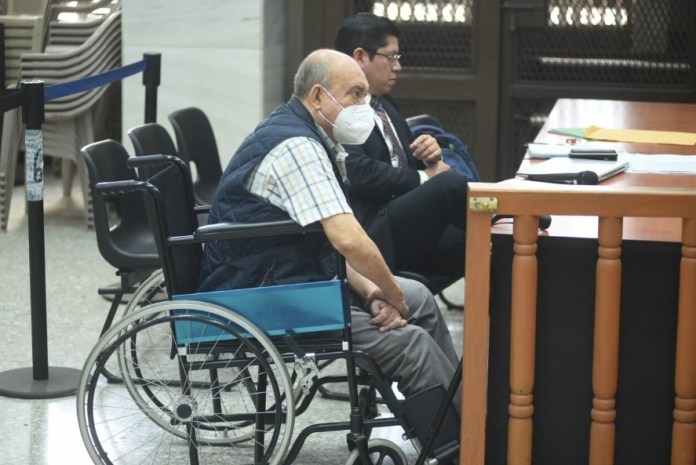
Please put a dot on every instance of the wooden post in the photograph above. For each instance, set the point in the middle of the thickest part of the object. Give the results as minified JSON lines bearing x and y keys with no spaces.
{"x":605,"y":365}
{"x":475,"y":350}
{"x":684,"y":428}
{"x":522,"y":340}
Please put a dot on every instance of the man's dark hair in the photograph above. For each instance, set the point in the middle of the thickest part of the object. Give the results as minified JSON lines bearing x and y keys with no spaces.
{"x":364,"y":30}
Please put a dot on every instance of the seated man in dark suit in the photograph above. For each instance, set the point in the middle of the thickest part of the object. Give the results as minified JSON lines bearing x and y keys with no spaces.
{"x":407,"y":199}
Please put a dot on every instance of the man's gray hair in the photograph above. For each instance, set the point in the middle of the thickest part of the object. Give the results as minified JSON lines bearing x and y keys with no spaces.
{"x":311,"y":71}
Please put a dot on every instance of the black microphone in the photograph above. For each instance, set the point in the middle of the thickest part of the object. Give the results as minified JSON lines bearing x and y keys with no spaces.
{"x":583,"y":177}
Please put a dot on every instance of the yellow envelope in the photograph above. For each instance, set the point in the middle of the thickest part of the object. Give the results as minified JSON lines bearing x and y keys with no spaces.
{"x":640,"y":136}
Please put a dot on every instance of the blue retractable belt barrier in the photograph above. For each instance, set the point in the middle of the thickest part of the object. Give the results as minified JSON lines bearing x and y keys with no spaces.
{"x":80,"y":85}
{"x":41,"y":381}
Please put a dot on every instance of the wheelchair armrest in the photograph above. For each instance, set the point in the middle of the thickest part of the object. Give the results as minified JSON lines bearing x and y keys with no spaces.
{"x":152,"y":160}
{"x":119,"y":187}
{"x":226,"y":231}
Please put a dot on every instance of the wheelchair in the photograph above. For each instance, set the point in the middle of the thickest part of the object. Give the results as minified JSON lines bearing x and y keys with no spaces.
{"x":219,"y":377}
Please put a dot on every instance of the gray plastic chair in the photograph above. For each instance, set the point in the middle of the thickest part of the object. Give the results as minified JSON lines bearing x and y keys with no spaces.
{"x":124,"y":236}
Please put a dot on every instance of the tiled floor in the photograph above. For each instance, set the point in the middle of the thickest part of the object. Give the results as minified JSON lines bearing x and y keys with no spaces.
{"x":42,"y":432}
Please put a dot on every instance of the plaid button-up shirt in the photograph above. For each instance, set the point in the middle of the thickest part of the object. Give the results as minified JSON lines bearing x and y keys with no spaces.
{"x":297,"y":177}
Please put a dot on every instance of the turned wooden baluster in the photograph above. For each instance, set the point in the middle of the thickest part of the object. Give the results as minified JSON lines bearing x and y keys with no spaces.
{"x":605,"y":365}
{"x":522,"y":340}
{"x":684,"y":428}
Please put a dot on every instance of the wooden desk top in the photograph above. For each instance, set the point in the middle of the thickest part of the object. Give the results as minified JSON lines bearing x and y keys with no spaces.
{"x":624,"y":115}
{"x":616,"y":114}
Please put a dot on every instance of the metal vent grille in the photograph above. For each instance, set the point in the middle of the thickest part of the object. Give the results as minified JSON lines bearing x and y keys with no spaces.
{"x":456,"y":117}
{"x":435,"y":35}
{"x":529,"y":115}
{"x":621,"y":42}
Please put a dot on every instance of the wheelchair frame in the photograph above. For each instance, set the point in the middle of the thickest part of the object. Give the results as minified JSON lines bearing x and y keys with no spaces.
{"x":239,"y":357}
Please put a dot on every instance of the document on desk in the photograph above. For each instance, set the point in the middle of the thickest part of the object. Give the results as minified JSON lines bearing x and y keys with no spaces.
{"x":663,"y":163}
{"x":641,"y":136}
{"x":569,"y":166}
{"x":536,"y":150}
{"x":544,"y":151}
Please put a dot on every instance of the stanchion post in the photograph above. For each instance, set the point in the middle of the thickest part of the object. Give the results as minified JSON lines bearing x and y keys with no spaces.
{"x":41,"y":382}
{"x":151,"y":80}
{"x":33,"y":118}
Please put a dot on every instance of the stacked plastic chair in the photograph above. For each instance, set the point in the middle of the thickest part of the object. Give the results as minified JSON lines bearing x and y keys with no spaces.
{"x":70,"y":25}
{"x":73,"y":121}
{"x":25,"y":32}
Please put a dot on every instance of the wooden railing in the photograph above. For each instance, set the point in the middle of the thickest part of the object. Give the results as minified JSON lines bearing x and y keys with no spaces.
{"x":527,"y":200}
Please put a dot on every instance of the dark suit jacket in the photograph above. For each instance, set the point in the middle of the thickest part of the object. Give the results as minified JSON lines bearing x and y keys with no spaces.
{"x":374,"y":182}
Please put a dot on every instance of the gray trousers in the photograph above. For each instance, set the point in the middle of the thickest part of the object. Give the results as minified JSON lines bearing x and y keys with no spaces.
{"x":417,"y":356}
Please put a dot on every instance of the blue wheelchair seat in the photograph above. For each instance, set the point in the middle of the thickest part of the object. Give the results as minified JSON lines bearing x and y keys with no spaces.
{"x":277,"y":310}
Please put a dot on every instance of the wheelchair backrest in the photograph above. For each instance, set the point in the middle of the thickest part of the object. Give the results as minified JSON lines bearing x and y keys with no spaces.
{"x":305,"y":308}
{"x":172,"y":216}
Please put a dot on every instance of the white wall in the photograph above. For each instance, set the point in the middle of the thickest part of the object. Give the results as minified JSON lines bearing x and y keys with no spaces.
{"x":223,"y":56}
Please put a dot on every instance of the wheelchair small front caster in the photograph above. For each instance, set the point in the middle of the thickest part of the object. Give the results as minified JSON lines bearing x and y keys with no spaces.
{"x":381,"y":451}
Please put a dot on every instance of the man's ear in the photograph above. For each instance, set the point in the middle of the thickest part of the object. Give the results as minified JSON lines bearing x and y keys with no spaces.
{"x":361,"y":56}
{"x":315,"y":96}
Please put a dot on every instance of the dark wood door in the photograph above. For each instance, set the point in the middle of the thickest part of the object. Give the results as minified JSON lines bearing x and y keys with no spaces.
{"x":599,"y":49}
{"x":490,"y":71}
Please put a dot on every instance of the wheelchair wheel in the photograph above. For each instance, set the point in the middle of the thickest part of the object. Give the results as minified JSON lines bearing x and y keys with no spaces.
{"x":150,"y":291}
{"x":382,"y":452}
{"x":195,"y":376}
{"x":154,"y":290}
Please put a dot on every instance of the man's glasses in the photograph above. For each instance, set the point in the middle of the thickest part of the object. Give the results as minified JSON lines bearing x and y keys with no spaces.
{"x":392,"y":58}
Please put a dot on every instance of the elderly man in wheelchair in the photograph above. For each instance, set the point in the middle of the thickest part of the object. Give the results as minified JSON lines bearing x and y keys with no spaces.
{"x":259,"y":290}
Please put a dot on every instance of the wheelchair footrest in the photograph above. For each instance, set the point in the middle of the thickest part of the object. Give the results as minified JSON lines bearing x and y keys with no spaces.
{"x":420,"y":410}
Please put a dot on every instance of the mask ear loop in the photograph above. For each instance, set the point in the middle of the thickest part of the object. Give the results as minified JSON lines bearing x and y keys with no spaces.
{"x":321,"y":87}
{"x":332,"y":97}
{"x":335,"y":101}
{"x":326,"y":119}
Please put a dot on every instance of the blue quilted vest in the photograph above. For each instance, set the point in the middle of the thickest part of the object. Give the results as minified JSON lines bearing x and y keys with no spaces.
{"x":264,"y":261}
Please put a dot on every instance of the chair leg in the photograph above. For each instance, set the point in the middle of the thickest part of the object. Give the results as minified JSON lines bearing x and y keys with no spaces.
{"x":9,"y":152}
{"x":6,"y":186}
{"x":118,"y":295}
{"x":112,"y":310}
{"x":83,"y":178}
{"x":449,"y":304}
{"x":68,"y":175}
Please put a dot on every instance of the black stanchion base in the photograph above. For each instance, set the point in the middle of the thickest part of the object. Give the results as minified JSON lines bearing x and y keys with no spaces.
{"x":20,"y":383}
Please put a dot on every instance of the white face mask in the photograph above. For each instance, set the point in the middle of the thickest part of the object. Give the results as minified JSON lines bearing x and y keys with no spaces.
{"x":353,"y":124}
